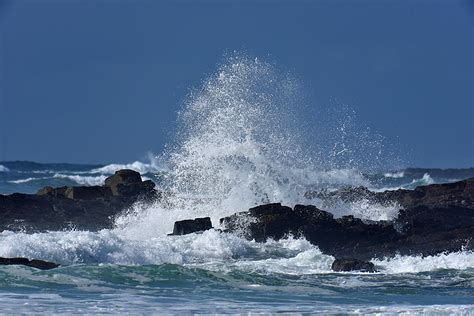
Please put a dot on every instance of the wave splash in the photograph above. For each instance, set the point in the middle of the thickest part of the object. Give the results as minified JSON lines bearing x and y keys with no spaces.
{"x":240,"y":145}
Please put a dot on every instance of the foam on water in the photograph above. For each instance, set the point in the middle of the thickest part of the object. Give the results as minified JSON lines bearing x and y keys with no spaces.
{"x":239,"y":145}
{"x":4,"y":169}
{"x":138,"y":166}
{"x":412,"y":264}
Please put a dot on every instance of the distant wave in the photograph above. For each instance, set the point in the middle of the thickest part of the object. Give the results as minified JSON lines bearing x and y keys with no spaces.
{"x":83,"y":180}
{"x":425,"y":180}
{"x":137,"y":166}
{"x":4,"y":169}
{"x":399,"y":174}
{"x":19,"y":181}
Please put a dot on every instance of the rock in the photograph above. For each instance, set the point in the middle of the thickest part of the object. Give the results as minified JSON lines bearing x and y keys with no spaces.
{"x":39,"y":264}
{"x":86,"y":208}
{"x":419,"y":230}
{"x":88,"y":193}
{"x":352,"y":265}
{"x":127,"y":183}
{"x":459,"y":193}
{"x":189,"y":226}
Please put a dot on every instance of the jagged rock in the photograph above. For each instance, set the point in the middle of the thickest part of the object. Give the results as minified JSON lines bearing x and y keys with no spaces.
{"x":459,"y":193}
{"x":88,"y":208}
{"x":189,"y":226}
{"x":39,"y":264}
{"x":346,"y":264}
{"x":419,"y":230}
{"x":128,"y":183}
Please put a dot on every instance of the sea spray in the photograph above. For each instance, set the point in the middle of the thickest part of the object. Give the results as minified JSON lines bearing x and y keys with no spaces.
{"x":240,"y":145}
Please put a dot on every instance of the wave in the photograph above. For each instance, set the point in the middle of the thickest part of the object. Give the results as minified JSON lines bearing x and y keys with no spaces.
{"x":414,"y":264}
{"x":425,"y":180}
{"x":20,"y":181}
{"x":137,"y":166}
{"x":4,"y":169}
{"x":82,"y":180}
{"x":398,"y":174}
{"x":211,"y":250}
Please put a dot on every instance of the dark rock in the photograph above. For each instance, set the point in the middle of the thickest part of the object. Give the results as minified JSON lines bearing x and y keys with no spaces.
{"x":39,"y":264}
{"x":352,"y":265}
{"x":189,"y":226}
{"x":127,"y":183}
{"x":419,"y":230}
{"x":87,"y":208}
{"x":459,"y":193}
{"x":88,"y":193}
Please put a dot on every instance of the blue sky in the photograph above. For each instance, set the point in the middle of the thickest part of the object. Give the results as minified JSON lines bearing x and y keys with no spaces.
{"x":101,"y":81}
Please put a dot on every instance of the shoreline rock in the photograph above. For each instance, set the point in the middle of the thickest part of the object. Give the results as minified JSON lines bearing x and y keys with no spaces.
{"x":349,"y":264}
{"x":189,"y":226}
{"x":437,"y":227}
{"x":81,"y":207}
{"x":38,"y":264}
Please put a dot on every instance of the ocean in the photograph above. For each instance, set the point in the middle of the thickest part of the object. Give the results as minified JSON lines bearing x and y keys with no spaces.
{"x":236,"y":147}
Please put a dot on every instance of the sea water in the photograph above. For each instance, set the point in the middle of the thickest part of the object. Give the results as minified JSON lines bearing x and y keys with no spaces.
{"x":240,"y":142}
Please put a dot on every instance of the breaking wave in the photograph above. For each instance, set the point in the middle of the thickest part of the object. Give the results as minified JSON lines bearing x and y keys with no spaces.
{"x":138,"y":166}
{"x":4,"y":169}
{"x":240,"y":144}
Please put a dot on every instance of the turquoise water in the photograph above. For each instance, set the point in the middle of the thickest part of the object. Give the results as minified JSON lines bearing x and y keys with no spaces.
{"x":240,"y":142}
{"x":136,"y":268}
{"x":177,"y":289}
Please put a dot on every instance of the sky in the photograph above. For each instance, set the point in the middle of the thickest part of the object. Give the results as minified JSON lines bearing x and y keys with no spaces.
{"x":100,"y":81}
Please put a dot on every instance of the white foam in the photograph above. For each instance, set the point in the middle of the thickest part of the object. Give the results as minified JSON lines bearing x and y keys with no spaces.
{"x":138,"y":166}
{"x":425,"y":180}
{"x":20,"y":181}
{"x":108,"y":246}
{"x":412,"y":264}
{"x":4,"y":169}
{"x":84,"y":180}
{"x":398,"y":174}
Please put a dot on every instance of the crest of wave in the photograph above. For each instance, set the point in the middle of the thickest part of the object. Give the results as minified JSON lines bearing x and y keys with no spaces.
{"x":239,"y":144}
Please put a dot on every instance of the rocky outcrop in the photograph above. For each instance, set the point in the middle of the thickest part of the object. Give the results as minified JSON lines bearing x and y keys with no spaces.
{"x":89,"y":208}
{"x":38,"y":264}
{"x":345,"y":265}
{"x":459,"y":193}
{"x":443,"y":225}
{"x":189,"y":226}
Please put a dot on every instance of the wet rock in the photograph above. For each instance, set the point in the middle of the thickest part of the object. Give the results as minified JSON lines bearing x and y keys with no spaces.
{"x":459,"y":193}
{"x":350,"y":264}
{"x":39,"y":264}
{"x":86,"y":208}
{"x":128,"y":183}
{"x":189,"y":226}
{"x":87,"y":193}
{"x":420,"y":230}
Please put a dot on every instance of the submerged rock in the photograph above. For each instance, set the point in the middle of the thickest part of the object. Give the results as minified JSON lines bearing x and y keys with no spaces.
{"x":189,"y":226}
{"x":39,"y":264}
{"x":348,"y":264}
{"x":87,"y":208}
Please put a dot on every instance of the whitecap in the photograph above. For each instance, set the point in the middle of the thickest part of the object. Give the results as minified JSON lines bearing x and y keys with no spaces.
{"x":4,"y":169}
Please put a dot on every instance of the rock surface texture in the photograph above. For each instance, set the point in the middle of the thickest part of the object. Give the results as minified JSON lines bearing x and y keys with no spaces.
{"x":432,"y":219}
{"x":189,"y":226}
{"x":89,"y":208}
